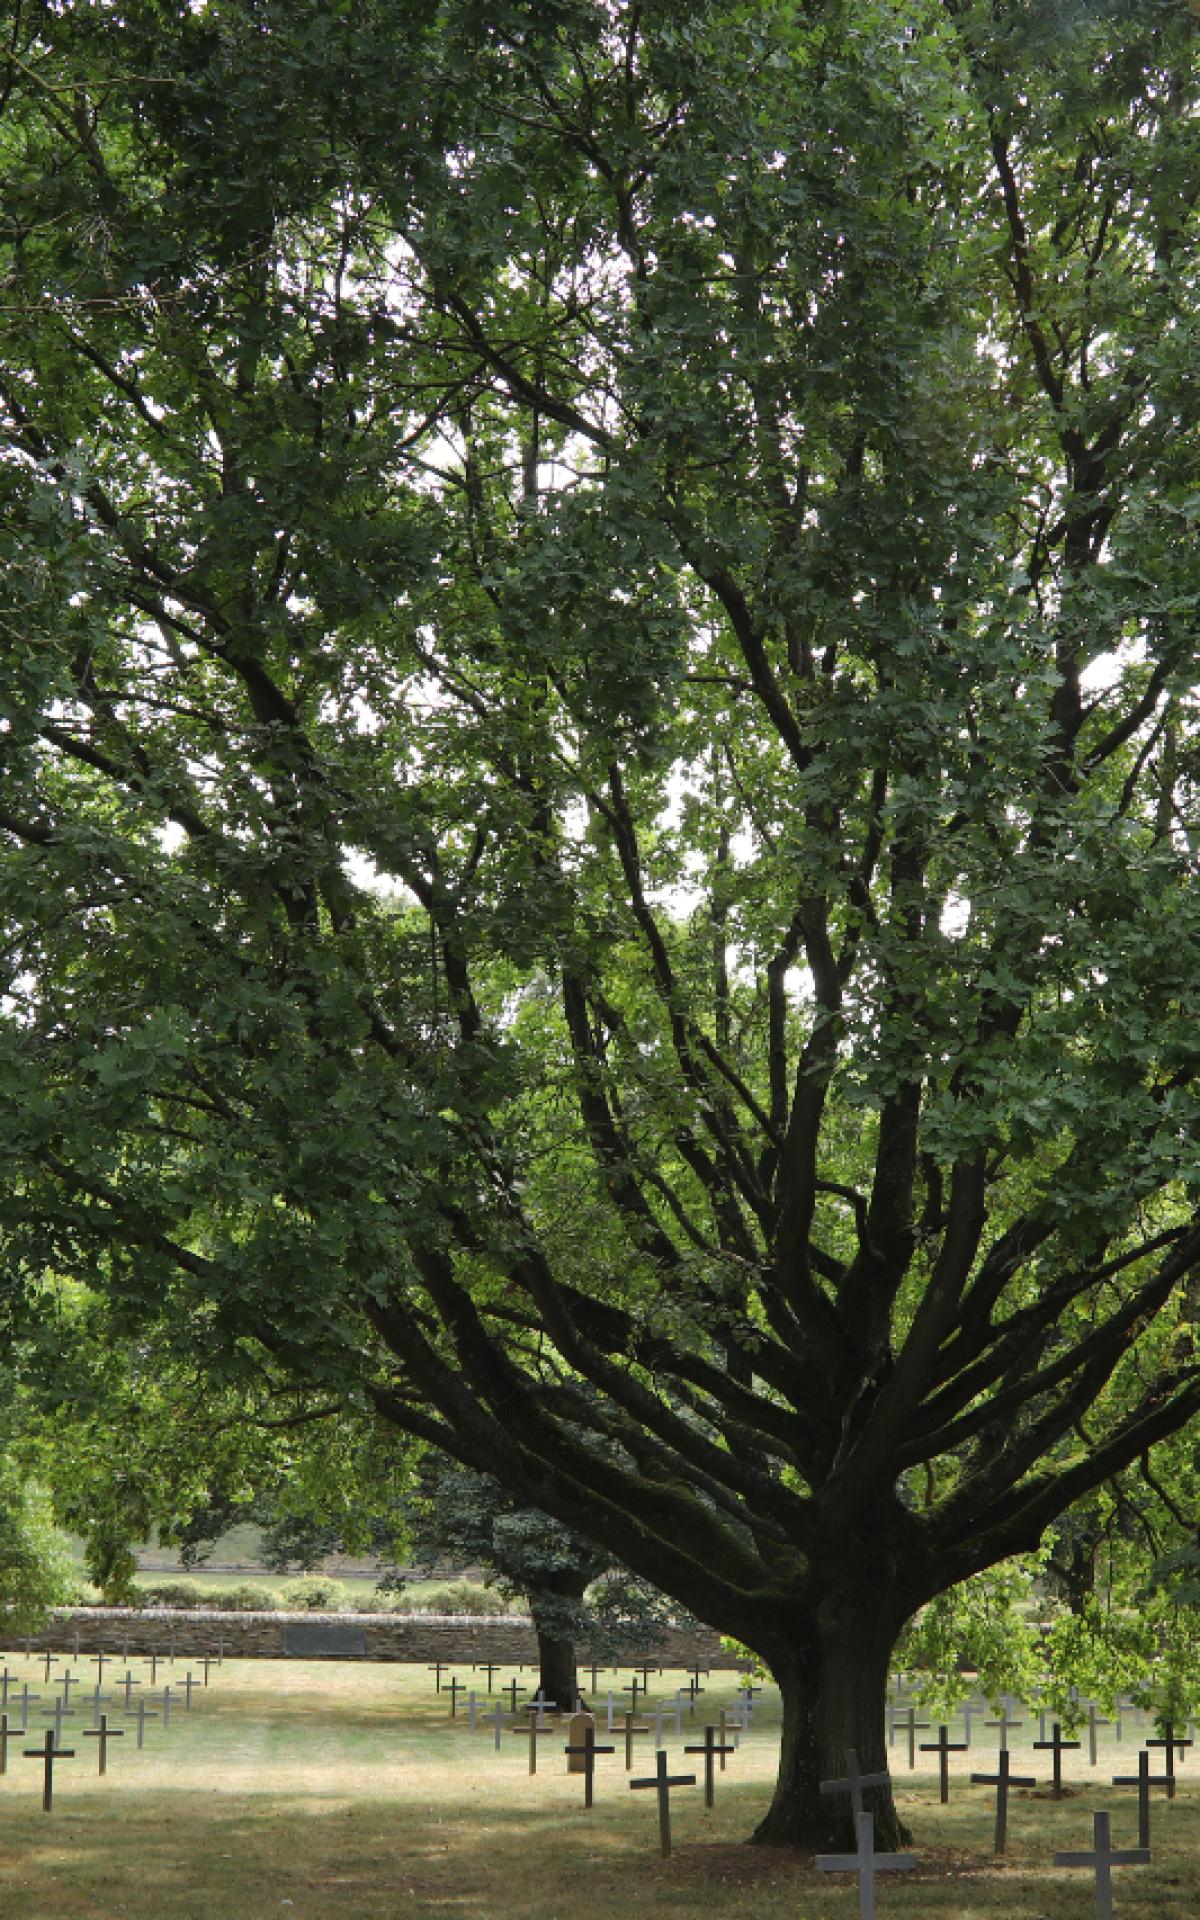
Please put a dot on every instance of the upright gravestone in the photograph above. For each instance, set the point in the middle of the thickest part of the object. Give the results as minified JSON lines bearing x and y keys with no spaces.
{"x":577,"y":1729}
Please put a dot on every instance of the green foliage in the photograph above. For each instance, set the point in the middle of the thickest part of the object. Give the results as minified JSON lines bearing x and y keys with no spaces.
{"x":313,"y":1593}
{"x":985,"y":1625}
{"x":35,"y":1568}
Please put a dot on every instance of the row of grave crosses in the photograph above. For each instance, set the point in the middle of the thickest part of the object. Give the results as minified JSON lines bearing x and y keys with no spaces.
{"x":903,"y":1719}
{"x":638,"y":1685}
{"x":866,"y":1863}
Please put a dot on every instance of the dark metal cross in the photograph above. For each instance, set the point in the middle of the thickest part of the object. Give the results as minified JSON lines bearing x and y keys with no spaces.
{"x":437,"y":1669}
{"x":664,"y":1781}
{"x":51,"y":1661}
{"x":1170,"y":1743}
{"x":48,"y":1754}
{"x":634,"y":1689}
{"x":489,"y":1667}
{"x":1002,"y":1781}
{"x":7,"y":1733}
{"x":154,"y":1659}
{"x":1102,"y":1859}
{"x":456,"y":1687}
{"x":188,"y":1684}
{"x":512,"y":1690}
{"x":206,"y":1661}
{"x":533,"y":1730}
{"x":589,"y":1750}
{"x":1143,"y":1780}
{"x":912,"y":1726}
{"x":1057,"y":1746}
{"x":103,"y":1733}
{"x":854,"y":1782}
{"x":710,"y":1750}
{"x":68,"y":1681}
{"x":633,"y":1726}
{"x":7,"y":1680}
{"x":943,"y":1746}
{"x":866,"y":1863}
{"x":143,"y":1714}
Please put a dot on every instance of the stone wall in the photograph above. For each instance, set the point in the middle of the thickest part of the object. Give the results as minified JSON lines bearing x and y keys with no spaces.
{"x":417,"y":1637}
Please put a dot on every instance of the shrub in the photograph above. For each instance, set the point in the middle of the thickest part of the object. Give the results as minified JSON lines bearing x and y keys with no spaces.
{"x":313,"y":1593}
{"x":168,"y":1593}
{"x":459,"y":1598}
{"x":242,"y":1598}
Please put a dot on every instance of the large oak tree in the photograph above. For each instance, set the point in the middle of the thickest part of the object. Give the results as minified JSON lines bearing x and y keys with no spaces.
{"x":600,"y":755}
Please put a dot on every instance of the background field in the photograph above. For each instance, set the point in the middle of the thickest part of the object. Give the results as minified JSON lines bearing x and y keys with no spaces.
{"x":334,"y":1791}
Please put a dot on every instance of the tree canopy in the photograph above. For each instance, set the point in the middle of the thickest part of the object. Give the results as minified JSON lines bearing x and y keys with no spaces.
{"x":600,"y":755}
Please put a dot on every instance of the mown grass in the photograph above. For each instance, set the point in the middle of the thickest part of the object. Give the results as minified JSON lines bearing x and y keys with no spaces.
{"x":334,"y":1791}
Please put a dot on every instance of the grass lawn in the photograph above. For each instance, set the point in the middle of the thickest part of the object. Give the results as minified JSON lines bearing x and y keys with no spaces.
{"x":334,"y":1791}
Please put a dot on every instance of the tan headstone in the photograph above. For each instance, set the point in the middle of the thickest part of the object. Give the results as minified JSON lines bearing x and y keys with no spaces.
{"x":577,"y":1728}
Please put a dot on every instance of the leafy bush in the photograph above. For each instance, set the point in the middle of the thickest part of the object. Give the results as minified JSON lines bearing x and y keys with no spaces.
{"x":459,"y":1598}
{"x":313,"y":1593}
{"x":168,"y":1593}
{"x":35,"y":1571}
{"x":242,"y":1598}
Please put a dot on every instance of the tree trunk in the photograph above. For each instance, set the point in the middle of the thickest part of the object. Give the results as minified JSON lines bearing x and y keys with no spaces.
{"x":558,"y":1672}
{"x":832,"y":1677}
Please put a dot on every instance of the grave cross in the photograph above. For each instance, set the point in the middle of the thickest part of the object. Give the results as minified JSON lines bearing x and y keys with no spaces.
{"x":589,"y":1750}
{"x":610,"y":1707}
{"x":660,"y":1712}
{"x":7,"y":1733}
{"x":1057,"y":1746}
{"x":472,"y":1710}
{"x":48,"y":1754}
{"x":854,"y":1782}
{"x":7,"y":1679}
{"x":664,"y":1781}
{"x":646,"y":1670}
{"x":1170,"y":1743}
{"x":128,"y":1681}
{"x":456,"y":1687}
{"x":26,"y":1697}
{"x":68,"y":1681}
{"x":1004,"y":1723}
{"x":166,"y":1707}
{"x":710,"y":1750}
{"x":1143,"y":1780}
{"x":437,"y":1669}
{"x":103,"y":1733}
{"x":943,"y":1746}
{"x":58,"y":1713}
{"x":634,"y":1688}
{"x":206,"y":1661}
{"x":512,"y":1690}
{"x":1103,"y":1860}
{"x":534,"y":1728}
{"x":143,"y":1714}
{"x":633,"y":1726}
{"x":495,"y":1719}
{"x":543,"y":1706}
{"x":594,"y":1670}
{"x":908,"y":1719}
{"x":51,"y":1661}
{"x":967,"y":1713}
{"x":188,"y":1684}
{"x":99,"y":1699}
{"x":866,"y":1863}
{"x":154,"y":1659}
{"x":489,"y":1667}
{"x":1002,"y":1781}
{"x":1094,"y":1721}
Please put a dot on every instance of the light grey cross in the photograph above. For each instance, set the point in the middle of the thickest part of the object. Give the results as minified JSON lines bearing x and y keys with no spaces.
{"x":58,"y":1713}
{"x":1094,"y":1721}
{"x":866,"y":1863}
{"x":1102,"y":1859}
{"x":472,"y":1711}
{"x":854,"y":1782}
{"x":1004,"y":1723}
{"x":99,"y":1700}
{"x":660,"y":1712}
{"x":910,"y":1723}
{"x":611,"y":1703}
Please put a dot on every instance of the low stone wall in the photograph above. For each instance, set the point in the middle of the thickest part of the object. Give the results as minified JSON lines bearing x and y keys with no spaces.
{"x":422,"y":1638}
